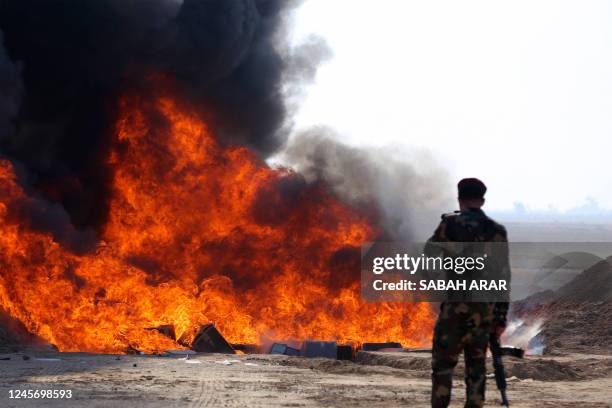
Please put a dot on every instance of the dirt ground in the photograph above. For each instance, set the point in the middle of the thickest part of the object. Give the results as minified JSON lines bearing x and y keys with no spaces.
{"x":214,"y":380}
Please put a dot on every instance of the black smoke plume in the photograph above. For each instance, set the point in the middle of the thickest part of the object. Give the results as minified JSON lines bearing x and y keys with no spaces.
{"x":10,"y":91}
{"x":228,"y":58}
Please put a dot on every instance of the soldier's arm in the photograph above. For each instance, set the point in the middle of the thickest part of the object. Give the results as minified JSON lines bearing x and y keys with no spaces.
{"x":439,"y":234}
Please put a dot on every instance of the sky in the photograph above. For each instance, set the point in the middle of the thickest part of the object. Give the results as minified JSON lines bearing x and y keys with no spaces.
{"x":517,"y":93}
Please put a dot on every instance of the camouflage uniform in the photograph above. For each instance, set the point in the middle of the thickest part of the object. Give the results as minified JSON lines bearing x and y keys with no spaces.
{"x":463,"y":326}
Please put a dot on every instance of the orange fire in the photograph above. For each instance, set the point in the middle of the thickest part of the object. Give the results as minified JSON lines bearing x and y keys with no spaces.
{"x":197,"y":233}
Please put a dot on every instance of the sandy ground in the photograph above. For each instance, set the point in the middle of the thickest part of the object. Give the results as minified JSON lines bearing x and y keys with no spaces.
{"x":212,"y":380}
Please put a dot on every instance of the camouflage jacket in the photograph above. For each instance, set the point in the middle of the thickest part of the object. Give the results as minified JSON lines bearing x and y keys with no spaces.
{"x":473,"y":225}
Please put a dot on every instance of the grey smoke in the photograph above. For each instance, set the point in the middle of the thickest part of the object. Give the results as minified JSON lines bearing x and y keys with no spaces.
{"x":407,"y":187}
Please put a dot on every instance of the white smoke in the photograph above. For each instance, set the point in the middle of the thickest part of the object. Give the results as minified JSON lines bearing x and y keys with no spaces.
{"x":526,"y":335}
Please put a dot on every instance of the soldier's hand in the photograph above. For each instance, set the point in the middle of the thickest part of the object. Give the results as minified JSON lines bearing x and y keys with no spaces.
{"x":499,"y":330}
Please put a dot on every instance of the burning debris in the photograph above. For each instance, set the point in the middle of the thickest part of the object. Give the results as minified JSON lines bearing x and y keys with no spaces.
{"x":165,"y":329}
{"x":326,"y":349}
{"x":164,"y":240}
{"x":141,"y":207}
{"x":209,"y":340}
{"x":346,"y":352}
{"x":380,"y":346}
{"x":281,"y":348}
{"x":246,"y":348}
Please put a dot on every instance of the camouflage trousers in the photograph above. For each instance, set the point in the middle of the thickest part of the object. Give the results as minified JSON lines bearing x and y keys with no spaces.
{"x":460,"y":327}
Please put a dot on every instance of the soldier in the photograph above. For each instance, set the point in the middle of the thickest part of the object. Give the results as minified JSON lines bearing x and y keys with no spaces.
{"x":465,"y":326}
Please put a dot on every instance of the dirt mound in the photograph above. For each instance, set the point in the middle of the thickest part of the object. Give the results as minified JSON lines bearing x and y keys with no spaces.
{"x":573,"y":368}
{"x":327,"y":365}
{"x":543,"y":370}
{"x":406,"y":361}
{"x":594,"y":284}
{"x":583,"y":327}
{"x":576,"y":316}
{"x":566,"y":368}
{"x":591,"y":285}
{"x":532,"y":302}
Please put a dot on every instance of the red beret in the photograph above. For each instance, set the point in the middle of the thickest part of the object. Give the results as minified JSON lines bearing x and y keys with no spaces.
{"x":471,"y":188}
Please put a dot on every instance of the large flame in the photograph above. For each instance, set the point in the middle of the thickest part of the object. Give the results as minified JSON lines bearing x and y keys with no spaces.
{"x":197,"y":233}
